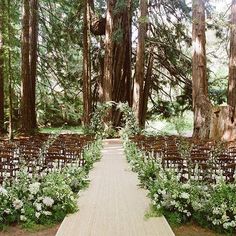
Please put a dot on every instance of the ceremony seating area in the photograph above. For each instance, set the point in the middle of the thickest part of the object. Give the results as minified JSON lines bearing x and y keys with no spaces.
{"x":200,"y":160}
{"x":41,"y":153}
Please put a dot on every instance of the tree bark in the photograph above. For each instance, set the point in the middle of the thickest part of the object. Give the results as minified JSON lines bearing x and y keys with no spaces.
{"x":25,"y":71}
{"x":231,"y":98}
{"x":222,"y":127}
{"x":108,"y":60}
{"x":140,"y":62}
{"x":1,"y":73}
{"x":10,"y":102}
{"x":122,"y":81}
{"x":226,"y":117}
{"x":201,"y":104}
{"x":147,"y":87}
{"x":33,"y":56}
{"x":86,"y":66}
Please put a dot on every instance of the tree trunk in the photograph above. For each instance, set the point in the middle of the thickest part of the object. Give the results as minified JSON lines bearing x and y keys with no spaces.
{"x":25,"y":71}
{"x":140,"y":62}
{"x":201,"y":104}
{"x":10,"y":103}
{"x":1,"y":73}
{"x":108,"y":60}
{"x":33,"y":56}
{"x":147,"y":86}
{"x":232,"y":61}
{"x":122,"y":81}
{"x":86,"y":66}
{"x":222,"y":127}
{"x":225,"y":117}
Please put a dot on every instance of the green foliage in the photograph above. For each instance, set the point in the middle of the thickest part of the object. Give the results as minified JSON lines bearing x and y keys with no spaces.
{"x":130,"y":123}
{"x":120,"y":6}
{"x":180,"y":124}
{"x":98,"y":126}
{"x":45,"y":199}
{"x":210,"y":205}
{"x":118,"y":35}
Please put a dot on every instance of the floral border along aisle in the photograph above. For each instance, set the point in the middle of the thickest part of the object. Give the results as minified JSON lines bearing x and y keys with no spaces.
{"x":211,"y":205}
{"x":45,"y":199}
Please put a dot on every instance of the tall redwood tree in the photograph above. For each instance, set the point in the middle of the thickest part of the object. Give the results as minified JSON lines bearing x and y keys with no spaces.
{"x":232,"y":61}
{"x":1,"y":72}
{"x":33,"y":56}
{"x":229,"y":112}
{"x":201,"y":104}
{"x":140,"y":62}
{"x":86,"y":66}
{"x":29,"y":64}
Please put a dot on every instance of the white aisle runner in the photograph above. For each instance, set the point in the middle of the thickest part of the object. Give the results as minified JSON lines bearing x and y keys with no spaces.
{"x":113,"y":205}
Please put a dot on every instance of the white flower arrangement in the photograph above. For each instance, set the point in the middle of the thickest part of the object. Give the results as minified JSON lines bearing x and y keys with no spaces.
{"x":17,"y":204}
{"x":184,"y":195}
{"x":48,"y":201}
{"x":23,"y":218}
{"x":38,"y":206}
{"x":47,"y":213}
{"x":34,"y":188}
{"x":213,"y":203}
{"x":3,"y":191}
{"x":37,"y":214}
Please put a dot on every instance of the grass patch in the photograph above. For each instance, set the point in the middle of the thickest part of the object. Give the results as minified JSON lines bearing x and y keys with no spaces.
{"x":66,"y":129}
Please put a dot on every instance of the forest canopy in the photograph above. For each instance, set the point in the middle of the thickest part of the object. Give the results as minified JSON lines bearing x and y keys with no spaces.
{"x":64,"y":57}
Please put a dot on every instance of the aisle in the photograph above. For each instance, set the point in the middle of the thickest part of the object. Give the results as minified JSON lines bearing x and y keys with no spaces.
{"x":113,"y":205}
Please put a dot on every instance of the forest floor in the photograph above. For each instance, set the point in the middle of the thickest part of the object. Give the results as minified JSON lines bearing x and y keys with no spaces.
{"x":193,"y":230}
{"x":185,"y":230}
{"x":19,"y":231}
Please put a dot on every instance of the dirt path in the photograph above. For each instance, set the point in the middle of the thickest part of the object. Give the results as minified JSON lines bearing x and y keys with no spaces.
{"x":113,"y":204}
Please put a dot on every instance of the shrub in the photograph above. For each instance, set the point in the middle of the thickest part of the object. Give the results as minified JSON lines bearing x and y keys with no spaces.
{"x":210,"y":205}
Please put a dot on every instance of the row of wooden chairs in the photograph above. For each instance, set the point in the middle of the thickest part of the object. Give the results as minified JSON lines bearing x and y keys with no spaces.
{"x":201,"y":160}
{"x":40,"y":154}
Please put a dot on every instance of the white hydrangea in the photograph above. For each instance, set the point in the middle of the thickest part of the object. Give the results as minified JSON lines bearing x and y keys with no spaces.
{"x":216,"y":222}
{"x":48,"y":201}
{"x":17,"y":204}
{"x":7,"y":211}
{"x":186,"y":186}
{"x":34,"y":188}
{"x":3,"y":191}
{"x":162,"y":192}
{"x":47,"y":213}
{"x":38,"y":206}
{"x":37,"y":214}
{"x":184,"y":195}
{"x":225,"y":218}
{"x":216,"y":211}
{"x":226,"y":225}
{"x":23,"y":218}
{"x":232,"y":224}
{"x":173,"y":202}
